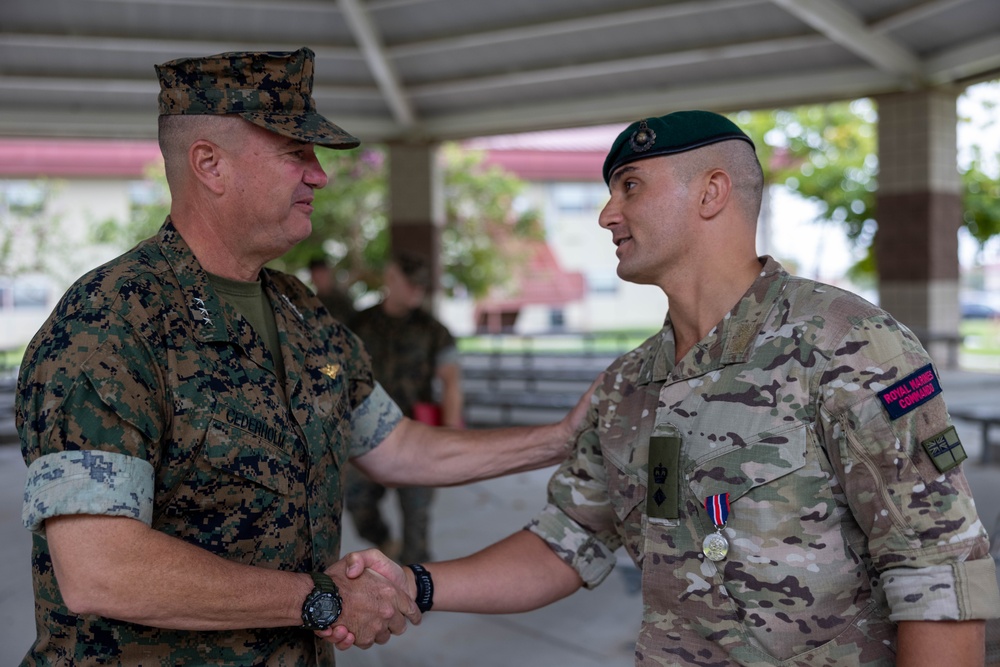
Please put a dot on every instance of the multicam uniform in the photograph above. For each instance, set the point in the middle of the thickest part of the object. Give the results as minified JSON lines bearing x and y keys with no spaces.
{"x":406,"y":353}
{"x":146,"y":396}
{"x":811,"y":409}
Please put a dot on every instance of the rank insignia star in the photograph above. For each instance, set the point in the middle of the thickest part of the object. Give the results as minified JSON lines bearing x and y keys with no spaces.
{"x":330,"y":370}
{"x":199,"y":306}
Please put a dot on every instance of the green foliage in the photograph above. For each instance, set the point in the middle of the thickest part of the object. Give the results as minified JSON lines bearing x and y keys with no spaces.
{"x":827,"y":154}
{"x":479,"y":247}
{"x":980,"y":199}
{"x":31,"y":239}
{"x":478,"y":240}
{"x":824,"y":153}
{"x":145,"y":218}
{"x":349,"y":218}
{"x":350,"y":221}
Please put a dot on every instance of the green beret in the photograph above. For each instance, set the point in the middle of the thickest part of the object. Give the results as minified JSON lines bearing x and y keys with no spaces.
{"x":269,"y":89}
{"x":674,"y":133}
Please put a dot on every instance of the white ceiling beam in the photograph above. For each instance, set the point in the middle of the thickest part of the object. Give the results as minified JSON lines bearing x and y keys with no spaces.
{"x":913,"y":14}
{"x":370,"y":43}
{"x":730,"y":95}
{"x":122,"y":45}
{"x":47,"y":122}
{"x":566,"y":26}
{"x":832,"y":19}
{"x":967,"y":61}
{"x":146,"y":87}
{"x":612,"y":67}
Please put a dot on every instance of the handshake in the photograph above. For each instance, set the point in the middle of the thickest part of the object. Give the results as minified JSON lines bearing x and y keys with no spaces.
{"x":377,"y":598}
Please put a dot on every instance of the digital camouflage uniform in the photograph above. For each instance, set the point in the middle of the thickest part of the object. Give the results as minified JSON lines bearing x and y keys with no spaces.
{"x":840,"y":523}
{"x":406,"y":353}
{"x":146,"y":396}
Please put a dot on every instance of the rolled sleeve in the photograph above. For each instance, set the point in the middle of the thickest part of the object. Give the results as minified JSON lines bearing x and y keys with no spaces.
{"x":954,"y":592}
{"x":372,"y":421}
{"x":87,"y":482}
{"x":592,"y":559}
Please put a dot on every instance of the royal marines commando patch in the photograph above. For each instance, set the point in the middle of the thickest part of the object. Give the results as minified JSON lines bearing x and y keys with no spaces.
{"x":911,"y":392}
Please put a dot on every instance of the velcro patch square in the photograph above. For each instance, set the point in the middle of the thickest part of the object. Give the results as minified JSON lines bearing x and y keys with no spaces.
{"x":945,"y":449}
{"x":911,"y":392}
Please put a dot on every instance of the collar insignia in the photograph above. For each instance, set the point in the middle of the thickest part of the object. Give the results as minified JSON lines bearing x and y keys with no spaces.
{"x":330,"y":370}
{"x":199,"y":306}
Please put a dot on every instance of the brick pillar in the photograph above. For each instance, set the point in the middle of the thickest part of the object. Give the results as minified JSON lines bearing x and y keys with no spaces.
{"x":416,"y":210}
{"x":919,"y":212}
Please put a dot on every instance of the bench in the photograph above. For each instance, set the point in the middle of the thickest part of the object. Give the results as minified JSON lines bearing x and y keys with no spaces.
{"x":8,"y":432}
{"x":985,"y":417}
{"x":517,"y":407}
{"x":525,"y":388}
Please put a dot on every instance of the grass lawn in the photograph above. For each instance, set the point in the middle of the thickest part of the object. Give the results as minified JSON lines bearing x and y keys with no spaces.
{"x":982,"y":337}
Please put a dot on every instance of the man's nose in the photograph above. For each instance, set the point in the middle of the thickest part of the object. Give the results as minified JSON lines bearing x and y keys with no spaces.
{"x":610,"y":214}
{"x":315,"y":177}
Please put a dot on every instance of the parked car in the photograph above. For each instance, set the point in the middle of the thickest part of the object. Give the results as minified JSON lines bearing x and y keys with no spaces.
{"x":979,"y":311}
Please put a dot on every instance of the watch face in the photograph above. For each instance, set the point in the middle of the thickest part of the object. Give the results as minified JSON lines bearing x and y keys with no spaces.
{"x":321,"y":610}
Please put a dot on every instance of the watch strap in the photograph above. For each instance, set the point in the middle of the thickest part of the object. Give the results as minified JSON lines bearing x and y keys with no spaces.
{"x":324,"y":582}
{"x":425,"y":587}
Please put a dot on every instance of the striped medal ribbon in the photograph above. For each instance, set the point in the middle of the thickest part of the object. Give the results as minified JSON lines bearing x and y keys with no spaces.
{"x":716,"y":546}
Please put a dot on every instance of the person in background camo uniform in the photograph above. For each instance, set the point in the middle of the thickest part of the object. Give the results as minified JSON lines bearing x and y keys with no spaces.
{"x":410,"y":349}
{"x":187,"y":415}
{"x":778,"y":460}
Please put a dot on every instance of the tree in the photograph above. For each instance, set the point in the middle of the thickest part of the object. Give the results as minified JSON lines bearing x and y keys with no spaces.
{"x":31,"y":235}
{"x":824,"y":153}
{"x":980,"y":199}
{"x":350,"y":221}
{"x":827,"y":154}
{"x":145,"y":217}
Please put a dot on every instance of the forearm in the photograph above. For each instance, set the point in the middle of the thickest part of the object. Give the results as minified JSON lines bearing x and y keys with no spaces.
{"x":517,"y":574}
{"x":415,"y":454}
{"x":933,"y":643}
{"x":451,"y":406}
{"x":154,"y":579}
{"x":451,"y":395}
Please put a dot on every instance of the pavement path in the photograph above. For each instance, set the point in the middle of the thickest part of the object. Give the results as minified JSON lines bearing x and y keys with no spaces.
{"x":590,"y":628}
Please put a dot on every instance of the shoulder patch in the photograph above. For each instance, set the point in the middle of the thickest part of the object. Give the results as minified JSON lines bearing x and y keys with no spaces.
{"x":911,"y":392}
{"x":945,"y":449}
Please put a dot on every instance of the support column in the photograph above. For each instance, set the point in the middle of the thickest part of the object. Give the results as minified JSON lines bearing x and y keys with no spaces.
{"x":416,"y":201}
{"x":919,"y":212}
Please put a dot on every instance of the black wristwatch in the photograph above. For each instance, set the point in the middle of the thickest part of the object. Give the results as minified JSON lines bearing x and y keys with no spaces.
{"x":323,"y":606}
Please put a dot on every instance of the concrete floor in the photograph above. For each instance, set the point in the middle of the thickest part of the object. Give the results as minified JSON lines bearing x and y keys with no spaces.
{"x":588,"y":628}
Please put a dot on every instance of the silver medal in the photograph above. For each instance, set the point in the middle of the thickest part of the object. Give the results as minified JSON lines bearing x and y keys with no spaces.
{"x":715,"y":547}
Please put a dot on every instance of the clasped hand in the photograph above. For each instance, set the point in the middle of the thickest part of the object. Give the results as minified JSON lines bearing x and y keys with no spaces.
{"x":376,"y":602}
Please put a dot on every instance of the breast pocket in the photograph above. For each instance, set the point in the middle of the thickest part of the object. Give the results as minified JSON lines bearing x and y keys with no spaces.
{"x":250,"y":453}
{"x":739,"y":470}
{"x":789,"y":566}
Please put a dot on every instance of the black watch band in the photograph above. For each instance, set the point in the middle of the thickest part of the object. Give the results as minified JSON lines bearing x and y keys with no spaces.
{"x":425,"y":587}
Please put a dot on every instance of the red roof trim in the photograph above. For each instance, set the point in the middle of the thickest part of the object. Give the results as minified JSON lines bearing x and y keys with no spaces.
{"x":55,"y":158}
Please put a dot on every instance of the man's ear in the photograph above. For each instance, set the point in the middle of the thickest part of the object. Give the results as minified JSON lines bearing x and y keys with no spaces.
{"x":206,"y":165}
{"x":715,"y":195}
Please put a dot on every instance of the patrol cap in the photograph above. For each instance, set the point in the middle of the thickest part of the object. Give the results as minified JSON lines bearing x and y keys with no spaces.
{"x":674,"y":133}
{"x":269,"y":89}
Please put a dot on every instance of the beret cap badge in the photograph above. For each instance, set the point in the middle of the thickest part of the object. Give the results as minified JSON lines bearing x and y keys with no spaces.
{"x":643,"y":138}
{"x":673,"y":133}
